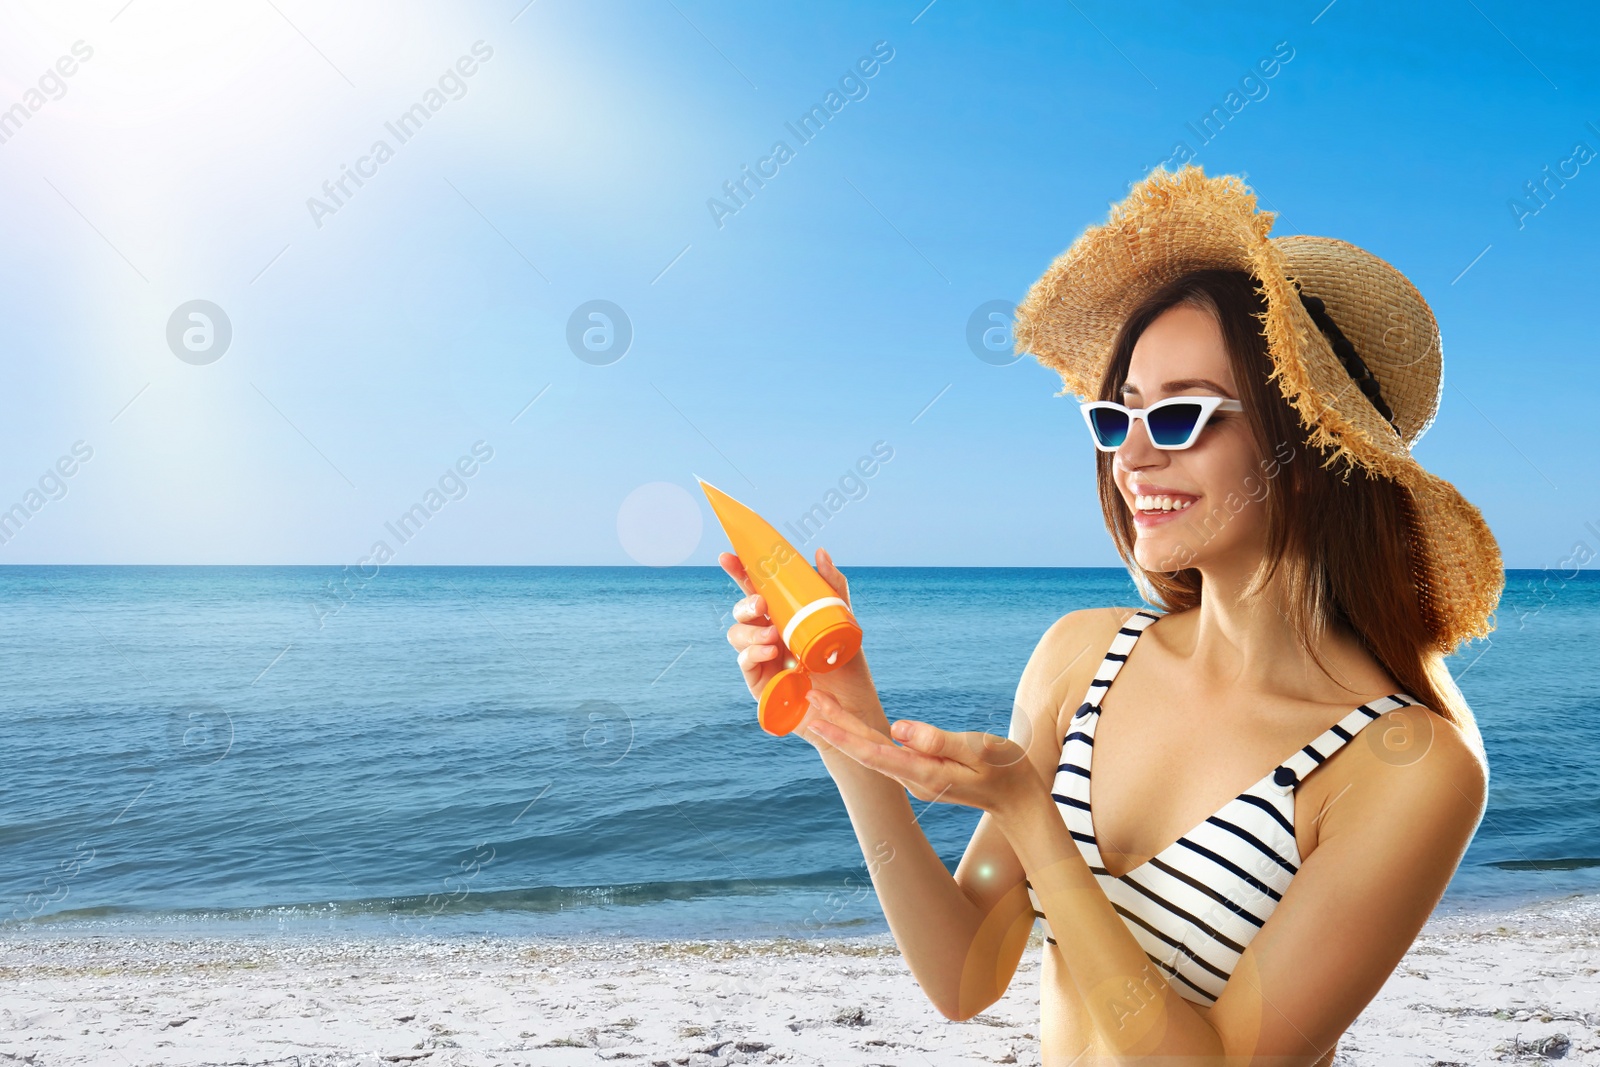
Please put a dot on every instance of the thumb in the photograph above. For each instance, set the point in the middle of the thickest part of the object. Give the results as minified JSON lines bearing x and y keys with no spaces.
{"x":832,"y":575}
{"x":922,"y":736}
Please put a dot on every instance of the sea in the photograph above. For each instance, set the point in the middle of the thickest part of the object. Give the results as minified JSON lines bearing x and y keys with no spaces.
{"x":571,"y":752}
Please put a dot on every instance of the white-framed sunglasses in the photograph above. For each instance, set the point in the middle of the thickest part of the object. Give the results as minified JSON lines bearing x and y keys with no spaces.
{"x":1172,"y":423}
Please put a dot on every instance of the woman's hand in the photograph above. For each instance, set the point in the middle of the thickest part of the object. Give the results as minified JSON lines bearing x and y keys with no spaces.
{"x":980,"y":770}
{"x":753,"y":636}
{"x":762,"y":654}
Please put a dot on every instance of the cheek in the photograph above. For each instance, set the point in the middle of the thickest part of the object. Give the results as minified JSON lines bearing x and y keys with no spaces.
{"x":1230,"y":465}
{"x":1228,"y":473}
{"x":1234,"y":484}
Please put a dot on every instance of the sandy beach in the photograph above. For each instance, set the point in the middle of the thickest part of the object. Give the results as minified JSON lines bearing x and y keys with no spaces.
{"x":1523,"y":986}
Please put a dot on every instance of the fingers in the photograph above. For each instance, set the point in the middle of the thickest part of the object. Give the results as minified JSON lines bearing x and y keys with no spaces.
{"x":758,"y":648}
{"x":825,"y":708}
{"x":757,"y":641}
{"x":735,"y":568}
{"x":832,"y":576}
{"x":825,"y":567}
{"x":840,"y":730}
{"x":743,"y":635}
{"x":752,"y":625}
{"x":970,"y":747}
{"x":756,"y":651}
{"x":752,"y":609}
{"x":830,"y":725}
{"x":929,"y":740}
{"x":751,"y":657}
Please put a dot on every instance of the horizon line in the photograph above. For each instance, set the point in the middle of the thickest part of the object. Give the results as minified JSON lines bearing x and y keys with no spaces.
{"x":1582,"y":571}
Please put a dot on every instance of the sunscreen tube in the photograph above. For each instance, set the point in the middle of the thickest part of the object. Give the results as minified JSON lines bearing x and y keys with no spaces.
{"x":816,"y":626}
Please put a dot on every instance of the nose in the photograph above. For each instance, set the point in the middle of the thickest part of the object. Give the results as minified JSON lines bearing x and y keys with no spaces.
{"x":1137,"y":451}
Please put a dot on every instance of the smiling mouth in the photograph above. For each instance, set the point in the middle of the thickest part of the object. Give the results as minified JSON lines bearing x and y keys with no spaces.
{"x":1158,"y":505}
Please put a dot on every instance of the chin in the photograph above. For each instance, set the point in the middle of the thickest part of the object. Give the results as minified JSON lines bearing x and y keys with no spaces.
{"x":1161,"y":552}
{"x":1167,"y":547}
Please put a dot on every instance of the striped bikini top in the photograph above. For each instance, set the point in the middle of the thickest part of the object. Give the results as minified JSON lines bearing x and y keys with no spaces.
{"x":1195,"y":906}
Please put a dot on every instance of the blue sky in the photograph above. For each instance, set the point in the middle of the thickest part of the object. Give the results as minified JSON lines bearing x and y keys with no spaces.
{"x":374,"y":344}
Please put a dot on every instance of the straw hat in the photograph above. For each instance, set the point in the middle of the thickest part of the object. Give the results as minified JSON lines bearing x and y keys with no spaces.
{"x":1383,"y":358}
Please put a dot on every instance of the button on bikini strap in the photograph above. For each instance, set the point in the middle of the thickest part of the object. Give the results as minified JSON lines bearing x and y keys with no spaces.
{"x":1121,"y":645}
{"x":1292,"y":771}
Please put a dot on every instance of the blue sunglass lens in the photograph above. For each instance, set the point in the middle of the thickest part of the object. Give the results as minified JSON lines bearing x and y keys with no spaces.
{"x":1110,"y":426}
{"x":1173,"y":424}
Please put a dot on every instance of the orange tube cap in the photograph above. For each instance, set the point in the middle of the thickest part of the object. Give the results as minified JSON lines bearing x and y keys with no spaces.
{"x":783,"y":702}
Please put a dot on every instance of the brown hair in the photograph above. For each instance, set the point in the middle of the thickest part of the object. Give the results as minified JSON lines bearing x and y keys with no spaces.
{"x":1338,"y":543}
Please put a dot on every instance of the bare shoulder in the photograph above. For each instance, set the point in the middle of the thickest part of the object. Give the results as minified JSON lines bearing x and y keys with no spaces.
{"x":1076,"y":633}
{"x":1415,"y":759}
{"x":1086,"y":624}
{"x":1391,"y":841}
{"x":1064,"y":661}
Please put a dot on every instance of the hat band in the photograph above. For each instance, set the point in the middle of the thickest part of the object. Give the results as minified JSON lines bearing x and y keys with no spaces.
{"x":1354,"y":365}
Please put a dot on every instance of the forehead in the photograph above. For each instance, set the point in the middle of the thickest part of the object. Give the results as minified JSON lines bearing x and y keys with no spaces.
{"x":1183,"y":342}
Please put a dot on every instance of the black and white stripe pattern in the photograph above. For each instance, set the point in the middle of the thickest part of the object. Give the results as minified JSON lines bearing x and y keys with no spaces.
{"x":1194,"y":907}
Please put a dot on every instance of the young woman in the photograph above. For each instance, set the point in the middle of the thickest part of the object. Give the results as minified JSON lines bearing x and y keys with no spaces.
{"x":1284,"y":776}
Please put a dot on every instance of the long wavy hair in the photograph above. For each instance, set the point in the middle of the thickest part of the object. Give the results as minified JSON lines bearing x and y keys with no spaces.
{"x":1337,"y":543}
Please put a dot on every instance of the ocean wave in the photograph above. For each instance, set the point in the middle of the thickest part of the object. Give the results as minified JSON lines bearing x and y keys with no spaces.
{"x":532,"y":900}
{"x":1574,"y":863}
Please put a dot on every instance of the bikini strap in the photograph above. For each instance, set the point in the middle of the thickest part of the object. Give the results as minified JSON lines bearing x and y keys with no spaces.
{"x":1292,"y":771}
{"x":1116,"y":656}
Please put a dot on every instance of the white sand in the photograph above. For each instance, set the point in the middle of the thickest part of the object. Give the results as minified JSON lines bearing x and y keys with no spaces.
{"x":1484,"y":990}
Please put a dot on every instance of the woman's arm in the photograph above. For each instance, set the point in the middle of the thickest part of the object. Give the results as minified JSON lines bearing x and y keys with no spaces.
{"x":963,"y":935}
{"x":1387,"y":847}
{"x":1385,"y":853}
{"x":1384,"y":856}
{"x":1136,"y":1014}
{"x":962,"y":949}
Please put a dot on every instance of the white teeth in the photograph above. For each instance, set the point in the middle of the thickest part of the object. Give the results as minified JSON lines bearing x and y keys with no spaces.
{"x":1159,"y":503}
